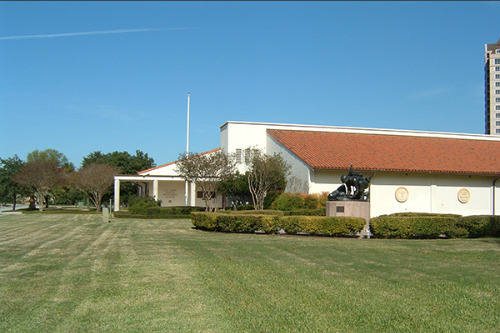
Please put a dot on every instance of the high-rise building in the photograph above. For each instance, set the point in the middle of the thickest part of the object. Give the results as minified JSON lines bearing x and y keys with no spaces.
{"x":492,"y":87}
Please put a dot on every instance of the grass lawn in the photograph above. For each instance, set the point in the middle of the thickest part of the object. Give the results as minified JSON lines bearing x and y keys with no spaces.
{"x":74,"y":273}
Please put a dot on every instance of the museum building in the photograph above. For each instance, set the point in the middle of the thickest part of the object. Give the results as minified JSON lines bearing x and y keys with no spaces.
{"x":409,"y":171}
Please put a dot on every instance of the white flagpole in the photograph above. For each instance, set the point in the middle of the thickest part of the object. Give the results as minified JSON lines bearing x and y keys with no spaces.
{"x":187,"y":148}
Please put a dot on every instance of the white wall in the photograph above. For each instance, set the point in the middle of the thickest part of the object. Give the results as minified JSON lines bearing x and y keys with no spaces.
{"x":171,"y":193}
{"x":299,"y":170}
{"x":430,"y":193}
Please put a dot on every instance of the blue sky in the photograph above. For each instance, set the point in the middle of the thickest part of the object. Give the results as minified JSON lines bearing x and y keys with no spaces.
{"x":85,"y":76}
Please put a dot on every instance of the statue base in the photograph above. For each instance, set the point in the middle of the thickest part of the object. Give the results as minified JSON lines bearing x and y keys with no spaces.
{"x":352,"y":209}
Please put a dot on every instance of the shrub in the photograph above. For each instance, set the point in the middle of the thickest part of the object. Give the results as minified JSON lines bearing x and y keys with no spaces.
{"x":330,"y":226}
{"x":316,"y":200}
{"x":253,"y":212}
{"x":307,"y":212}
{"x":141,"y":205}
{"x":172,"y":212}
{"x":233,"y":223}
{"x":427,"y":226}
{"x":480,"y":225}
{"x":320,"y":225}
{"x":288,"y":201}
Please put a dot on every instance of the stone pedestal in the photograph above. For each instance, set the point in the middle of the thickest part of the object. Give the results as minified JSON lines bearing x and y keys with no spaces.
{"x":351,"y":209}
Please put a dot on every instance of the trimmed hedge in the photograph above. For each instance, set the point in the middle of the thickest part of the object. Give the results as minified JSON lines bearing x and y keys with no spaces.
{"x":313,"y":225}
{"x":322,"y":225}
{"x":480,"y":225}
{"x":253,"y":212}
{"x":161,"y":212}
{"x":428,"y":226}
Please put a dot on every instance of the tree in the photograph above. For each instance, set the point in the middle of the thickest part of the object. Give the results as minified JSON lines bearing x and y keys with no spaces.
{"x":266,"y":173}
{"x":95,"y":179}
{"x":128,"y":164}
{"x":51,"y":155}
{"x":235,"y":187}
{"x":206,"y":171}
{"x":9,"y":189}
{"x":41,"y":177}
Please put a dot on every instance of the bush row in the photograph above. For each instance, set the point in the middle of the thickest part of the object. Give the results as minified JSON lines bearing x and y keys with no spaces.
{"x":434,"y":226}
{"x":157,"y":212}
{"x":250,"y":223}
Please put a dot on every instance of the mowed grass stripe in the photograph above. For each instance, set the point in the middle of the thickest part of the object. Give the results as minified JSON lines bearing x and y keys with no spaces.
{"x":75,"y":273}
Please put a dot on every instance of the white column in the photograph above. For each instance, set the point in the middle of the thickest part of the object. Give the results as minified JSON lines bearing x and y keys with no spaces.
{"x":117,"y":195}
{"x":192,"y":196}
{"x":155,"y":189}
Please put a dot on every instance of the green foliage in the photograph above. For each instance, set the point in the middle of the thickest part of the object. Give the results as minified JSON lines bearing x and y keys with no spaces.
{"x":480,"y":225}
{"x":235,"y":187}
{"x":141,"y":204}
{"x":50,"y":155}
{"x":288,"y":201}
{"x":157,"y":212}
{"x":270,"y":197}
{"x":307,"y":212}
{"x":9,"y":189}
{"x":431,"y":225}
{"x":128,"y":165}
{"x":427,"y":226}
{"x":321,"y":225}
{"x":252,"y":212}
{"x":326,"y":226}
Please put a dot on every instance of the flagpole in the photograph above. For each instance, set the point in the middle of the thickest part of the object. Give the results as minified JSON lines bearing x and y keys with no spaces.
{"x":187,"y":147}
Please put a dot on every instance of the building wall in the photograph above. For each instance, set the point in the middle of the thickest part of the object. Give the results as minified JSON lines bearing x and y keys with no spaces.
{"x":299,"y":179}
{"x":171,"y":193}
{"x":426,"y":192}
{"x":492,"y":88}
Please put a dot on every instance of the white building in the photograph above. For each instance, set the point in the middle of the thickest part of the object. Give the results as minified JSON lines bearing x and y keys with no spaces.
{"x":411,"y":171}
{"x":492,"y":88}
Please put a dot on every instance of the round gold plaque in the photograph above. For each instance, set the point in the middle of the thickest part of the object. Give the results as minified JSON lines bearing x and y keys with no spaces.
{"x":463,"y":195}
{"x":401,"y":194}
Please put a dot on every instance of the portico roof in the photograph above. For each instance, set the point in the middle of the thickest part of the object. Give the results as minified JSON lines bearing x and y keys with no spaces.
{"x":385,"y":152}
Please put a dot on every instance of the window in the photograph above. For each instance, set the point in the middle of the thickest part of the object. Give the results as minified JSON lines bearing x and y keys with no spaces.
{"x":497,"y":107}
{"x":497,"y":115}
{"x":497,"y":69}
{"x":497,"y":123}
{"x":238,"y":155}
{"x":497,"y":61}
{"x":498,"y":130}
{"x":497,"y":100}
{"x":497,"y":92}
{"x":497,"y":84}
{"x":497,"y":51}
{"x":497,"y":76}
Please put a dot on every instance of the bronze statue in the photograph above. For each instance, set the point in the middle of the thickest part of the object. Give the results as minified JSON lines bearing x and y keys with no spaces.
{"x":355,"y":187}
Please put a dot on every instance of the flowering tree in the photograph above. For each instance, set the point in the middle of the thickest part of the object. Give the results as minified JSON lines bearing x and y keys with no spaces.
{"x":95,"y":179}
{"x":206,"y":171}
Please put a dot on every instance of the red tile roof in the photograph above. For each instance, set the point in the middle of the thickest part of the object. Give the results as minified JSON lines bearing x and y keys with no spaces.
{"x":383,"y":152}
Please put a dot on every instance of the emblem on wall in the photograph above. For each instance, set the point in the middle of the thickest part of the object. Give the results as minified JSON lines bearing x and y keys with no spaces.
{"x":463,"y":195}
{"x":401,"y":194}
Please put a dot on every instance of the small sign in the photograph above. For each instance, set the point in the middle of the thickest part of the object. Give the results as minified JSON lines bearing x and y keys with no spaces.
{"x":340,"y":209}
{"x":402,"y":194}
{"x":463,"y":195}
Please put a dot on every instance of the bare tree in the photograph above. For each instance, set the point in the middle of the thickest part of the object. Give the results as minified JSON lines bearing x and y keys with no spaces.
{"x":41,"y":177}
{"x":265,"y":173}
{"x":95,"y":179}
{"x":206,"y":171}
